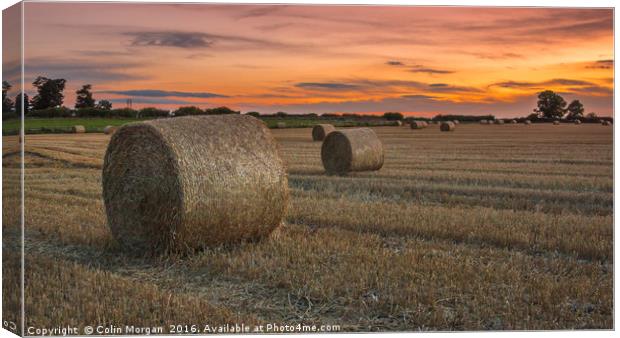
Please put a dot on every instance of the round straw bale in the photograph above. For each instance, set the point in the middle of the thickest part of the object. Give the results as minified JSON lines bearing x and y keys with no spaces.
{"x":78,"y":129}
{"x":398,"y":123}
{"x":281,"y":125}
{"x":418,"y":124}
{"x":189,"y":182}
{"x":513,"y":121}
{"x":556,"y":122}
{"x":577,"y":121}
{"x":499,"y":121}
{"x":606,"y":123}
{"x":109,"y":130}
{"x":456,"y":122}
{"x":447,"y":126}
{"x":527,"y":122}
{"x":320,"y":131}
{"x":484,"y":122}
{"x":352,"y":150}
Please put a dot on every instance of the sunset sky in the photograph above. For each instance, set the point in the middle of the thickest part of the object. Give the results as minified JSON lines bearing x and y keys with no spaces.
{"x":319,"y":59}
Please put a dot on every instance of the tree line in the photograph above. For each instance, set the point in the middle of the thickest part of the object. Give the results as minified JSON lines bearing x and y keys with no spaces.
{"x":49,"y":103}
{"x":551,"y":105}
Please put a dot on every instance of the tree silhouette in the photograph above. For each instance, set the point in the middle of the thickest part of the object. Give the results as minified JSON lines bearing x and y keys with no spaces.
{"x":220,"y":111}
{"x":7,"y":104}
{"x":84,"y":97}
{"x":550,"y":104}
{"x":49,"y":92}
{"x":390,"y":116}
{"x":575,"y":110}
{"x":104,"y":104}
{"x":18,"y":103}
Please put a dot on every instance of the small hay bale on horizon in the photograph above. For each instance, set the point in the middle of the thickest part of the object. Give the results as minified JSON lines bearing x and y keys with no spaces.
{"x":320,"y":131}
{"x":606,"y":123}
{"x":556,"y":122}
{"x":484,"y":122}
{"x":527,"y":122}
{"x":109,"y":130}
{"x":499,"y":121}
{"x":456,"y":122}
{"x":78,"y":129}
{"x":281,"y":125}
{"x":418,"y":124}
{"x":447,"y":126}
{"x":513,"y":121}
{"x":351,"y":150}
{"x":183,"y":184}
{"x":577,"y":122}
{"x":398,"y":123}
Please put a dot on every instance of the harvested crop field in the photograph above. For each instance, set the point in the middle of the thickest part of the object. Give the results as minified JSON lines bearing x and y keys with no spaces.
{"x":487,"y":227}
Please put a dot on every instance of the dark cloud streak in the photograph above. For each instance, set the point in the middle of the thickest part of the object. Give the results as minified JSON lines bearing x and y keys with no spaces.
{"x":163,"y":93}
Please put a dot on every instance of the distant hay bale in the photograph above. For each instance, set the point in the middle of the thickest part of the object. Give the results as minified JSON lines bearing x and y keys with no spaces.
{"x":320,"y":131}
{"x":606,"y":123}
{"x":190,"y":182}
{"x":556,"y":122}
{"x":447,"y":126}
{"x":398,"y":123}
{"x":109,"y":130}
{"x":350,"y":150}
{"x":484,"y":122}
{"x":78,"y":129}
{"x":281,"y":125}
{"x":418,"y":124}
{"x":513,"y":121}
{"x":527,"y":122}
{"x":456,"y":122}
{"x":499,"y":121}
{"x":577,"y":121}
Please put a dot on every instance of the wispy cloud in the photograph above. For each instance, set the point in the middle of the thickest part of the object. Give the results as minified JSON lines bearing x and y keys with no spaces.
{"x":418,"y":68}
{"x":552,"y":82}
{"x":327,"y":85}
{"x":163,"y":93}
{"x":422,"y":69}
{"x":171,"y":39}
{"x":82,"y":70}
{"x":601,"y":64}
{"x":394,"y":63}
{"x":199,"y":40}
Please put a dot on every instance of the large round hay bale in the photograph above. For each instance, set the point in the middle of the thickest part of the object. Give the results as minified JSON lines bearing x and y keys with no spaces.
{"x":109,"y":130}
{"x":281,"y":125}
{"x":456,"y":122}
{"x":78,"y":129}
{"x":606,"y":123}
{"x":349,"y":150}
{"x":418,"y":124}
{"x":398,"y":123}
{"x":190,"y":182}
{"x":527,"y":122}
{"x":320,"y":131}
{"x":484,"y":122}
{"x":513,"y":121}
{"x":447,"y":126}
{"x":499,"y":121}
{"x":556,"y":122}
{"x":577,"y":121}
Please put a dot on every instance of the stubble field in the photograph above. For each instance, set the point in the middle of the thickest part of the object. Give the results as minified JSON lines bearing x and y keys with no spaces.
{"x":488,"y":227}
